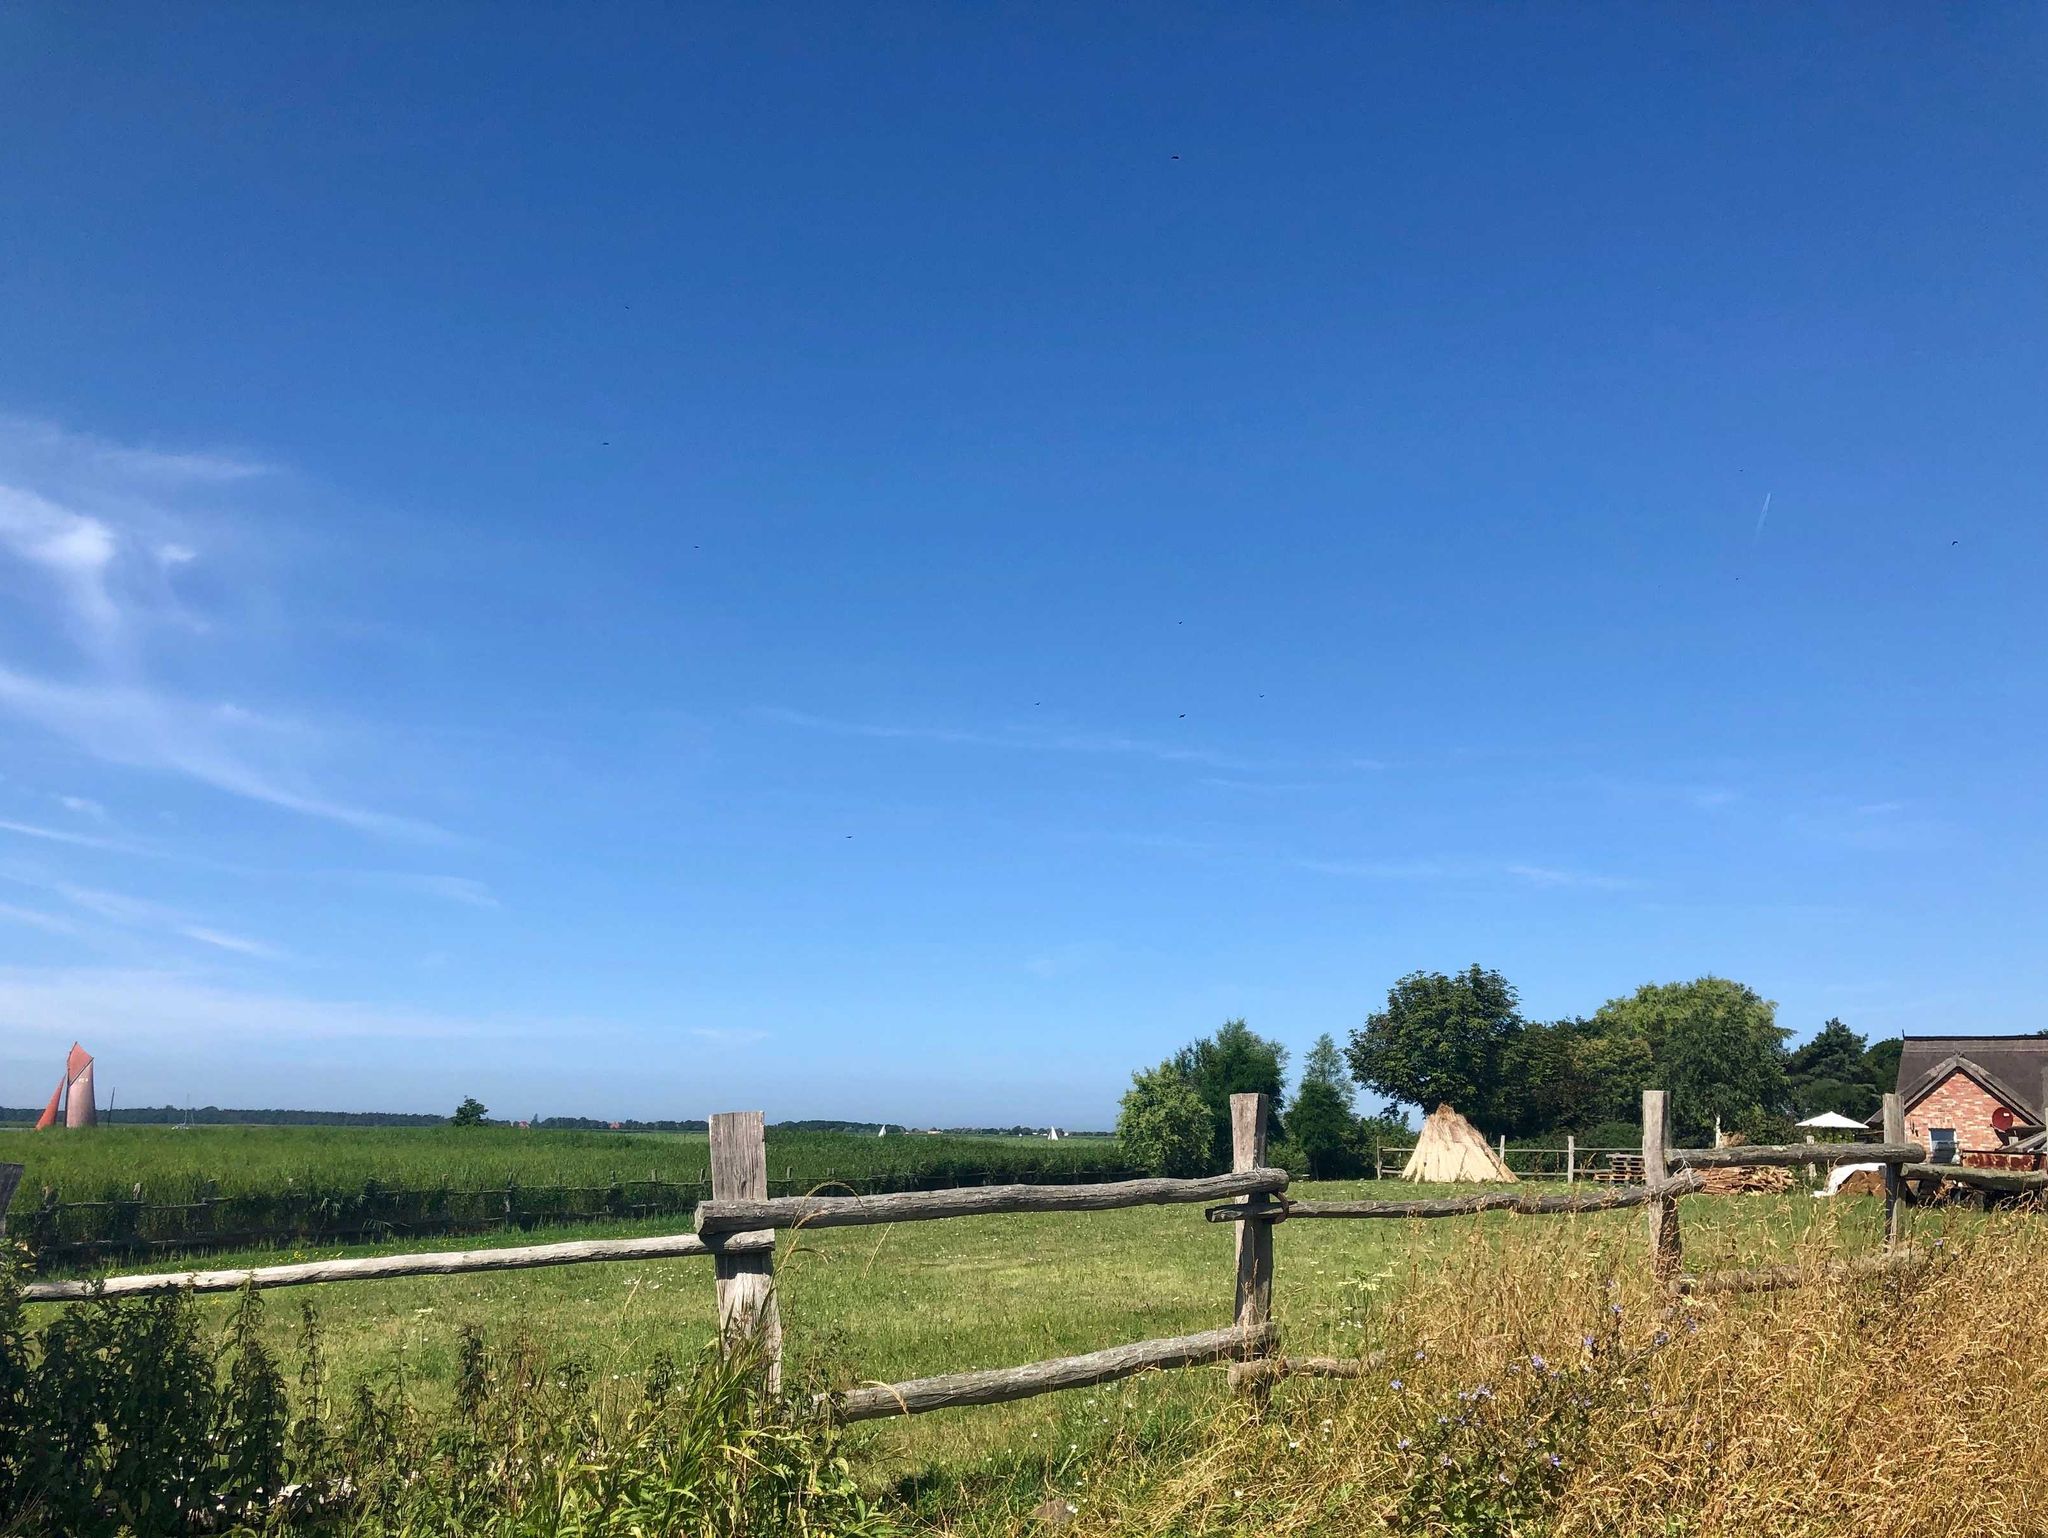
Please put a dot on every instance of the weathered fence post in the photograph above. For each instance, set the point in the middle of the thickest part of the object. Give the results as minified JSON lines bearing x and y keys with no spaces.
{"x":746,"y":1283}
{"x":1894,"y":1132}
{"x":1248,"y":1117}
{"x":10,"y":1177}
{"x":1571,"y":1158}
{"x":1665,"y":1254}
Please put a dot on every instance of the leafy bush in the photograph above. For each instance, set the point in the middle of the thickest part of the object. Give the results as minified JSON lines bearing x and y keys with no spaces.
{"x":1164,"y":1125}
{"x":119,"y":1417}
{"x":116,"y":1417}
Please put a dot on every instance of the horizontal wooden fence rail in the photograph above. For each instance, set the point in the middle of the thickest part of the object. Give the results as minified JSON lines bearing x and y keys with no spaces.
{"x":1527,"y":1204}
{"x":1271,"y":1369}
{"x":997,"y":1384}
{"x":371,"y":1268}
{"x":1982,"y":1179}
{"x":720,"y":1216}
{"x":1779,"y":1278}
{"x":1757,"y":1155}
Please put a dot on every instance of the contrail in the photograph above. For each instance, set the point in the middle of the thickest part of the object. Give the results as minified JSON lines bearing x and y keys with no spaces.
{"x":1760,"y":517}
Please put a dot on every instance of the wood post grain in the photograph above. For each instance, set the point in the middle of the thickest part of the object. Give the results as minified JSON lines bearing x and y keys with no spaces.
{"x":10,"y":1177}
{"x":1571,"y":1158}
{"x":1894,"y":1182}
{"x":1665,"y":1254}
{"x":747,"y":1310}
{"x":1249,"y":1115}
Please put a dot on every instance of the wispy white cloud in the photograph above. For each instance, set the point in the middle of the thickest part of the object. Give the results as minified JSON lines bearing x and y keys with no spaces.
{"x":219,"y":745}
{"x":44,"y":447}
{"x":1469,"y":870}
{"x":65,"y":836}
{"x":84,"y":806}
{"x":464,"y":890}
{"x":120,"y":1006}
{"x":35,"y":918}
{"x":139,"y":913}
{"x":1032,"y":739}
{"x":102,"y":528}
{"x":74,"y":551}
{"x":241,"y":945}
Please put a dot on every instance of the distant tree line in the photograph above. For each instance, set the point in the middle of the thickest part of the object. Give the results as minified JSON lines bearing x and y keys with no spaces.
{"x":1461,"y":1039}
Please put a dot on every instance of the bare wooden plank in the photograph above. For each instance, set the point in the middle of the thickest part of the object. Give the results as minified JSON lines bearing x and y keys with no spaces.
{"x":747,"y":1309}
{"x":1784,"y":1154}
{"x":1983,"y":1180}
{"x":722,"y":1215}
{"x":1528,"y":1204}
{"x":1271,"y":1369}
{"x":373,"y":1268}
{"x":997,"y":1384}
{"x":1894,"y":1186}
{"x":1779,"y":1278}
{"x":1665,"y":1254}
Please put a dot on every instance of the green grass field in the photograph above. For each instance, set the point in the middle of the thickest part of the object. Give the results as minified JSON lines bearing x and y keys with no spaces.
{"x":884,"y":1304}
{"x":174,"y":1164}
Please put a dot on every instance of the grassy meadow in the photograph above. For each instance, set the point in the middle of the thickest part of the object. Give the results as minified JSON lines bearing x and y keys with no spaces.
{"x":1532,"y":1379}
{"x":884,"y":1304}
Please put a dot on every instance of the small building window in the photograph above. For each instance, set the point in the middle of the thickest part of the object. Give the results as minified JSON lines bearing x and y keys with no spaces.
{"x":1941,"y":1143}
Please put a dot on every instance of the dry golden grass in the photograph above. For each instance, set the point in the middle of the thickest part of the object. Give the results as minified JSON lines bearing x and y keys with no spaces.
{"x":1551,"y":1388}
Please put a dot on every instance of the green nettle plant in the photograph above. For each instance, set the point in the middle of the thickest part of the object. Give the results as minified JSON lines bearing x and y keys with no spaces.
{"x":121,"y":1416}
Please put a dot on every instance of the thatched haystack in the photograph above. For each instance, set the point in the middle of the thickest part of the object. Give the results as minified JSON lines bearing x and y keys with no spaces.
{"x":1451,"y":1150}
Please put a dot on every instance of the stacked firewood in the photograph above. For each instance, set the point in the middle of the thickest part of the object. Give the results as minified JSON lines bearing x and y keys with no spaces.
{"x":1748,"y":1181}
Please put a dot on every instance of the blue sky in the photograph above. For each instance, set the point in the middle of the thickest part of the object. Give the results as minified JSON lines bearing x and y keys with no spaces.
{"x":901,"y":562}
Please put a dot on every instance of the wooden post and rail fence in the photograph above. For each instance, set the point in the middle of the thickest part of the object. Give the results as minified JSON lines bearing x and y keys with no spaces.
{"x":738,"y":1228}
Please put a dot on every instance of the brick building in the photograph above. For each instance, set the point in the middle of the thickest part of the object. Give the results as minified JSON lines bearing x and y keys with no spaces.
{"x":1958,"y":1089}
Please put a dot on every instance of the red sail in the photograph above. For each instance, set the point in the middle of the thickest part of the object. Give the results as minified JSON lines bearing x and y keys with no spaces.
{"x":55,"y":1107}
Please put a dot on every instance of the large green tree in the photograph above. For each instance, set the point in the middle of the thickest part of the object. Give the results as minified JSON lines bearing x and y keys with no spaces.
{"x":1235,"y":1061}
{"x":1834,"y":1072}
{"x":1322,"y":1124}
{"x":1714,"y":1044}
{"x":1441,"y":1038}
{"x":1163,"y":1124}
